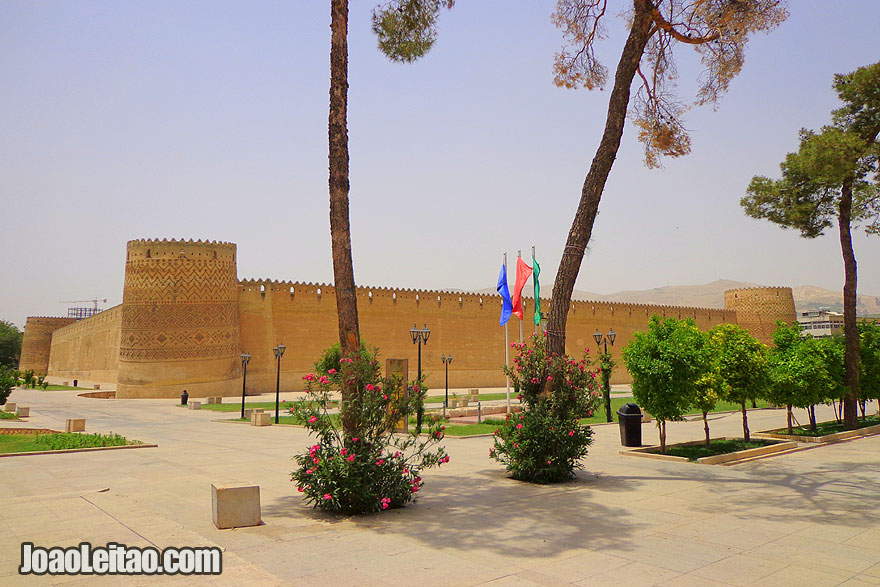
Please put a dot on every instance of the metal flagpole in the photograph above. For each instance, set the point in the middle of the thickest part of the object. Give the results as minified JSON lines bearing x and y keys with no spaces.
{"x":506,"y":349}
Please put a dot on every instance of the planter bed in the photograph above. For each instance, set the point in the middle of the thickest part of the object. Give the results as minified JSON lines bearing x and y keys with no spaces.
{"x":770,"y":446}
{"x":782,"y":433}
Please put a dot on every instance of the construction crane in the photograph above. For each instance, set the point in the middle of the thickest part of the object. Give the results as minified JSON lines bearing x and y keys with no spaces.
{"x":80,"y":313}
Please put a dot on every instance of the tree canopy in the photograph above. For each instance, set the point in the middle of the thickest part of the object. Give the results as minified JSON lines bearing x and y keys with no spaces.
{"x":717,"y":29}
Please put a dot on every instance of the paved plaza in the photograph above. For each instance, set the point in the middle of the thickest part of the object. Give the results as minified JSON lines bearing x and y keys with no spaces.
{"x":807,"y":518}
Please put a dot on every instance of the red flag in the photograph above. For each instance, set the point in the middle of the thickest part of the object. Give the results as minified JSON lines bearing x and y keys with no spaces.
{"x":523,"y":272}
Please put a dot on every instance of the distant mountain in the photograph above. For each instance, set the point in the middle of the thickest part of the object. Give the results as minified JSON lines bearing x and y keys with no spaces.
{"x":711,"y":295}
{"x":810,"y":297}
{"x":708,"y":295}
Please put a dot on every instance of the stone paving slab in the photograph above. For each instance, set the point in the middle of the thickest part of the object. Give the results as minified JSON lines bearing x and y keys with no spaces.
{"x":805,"y":518}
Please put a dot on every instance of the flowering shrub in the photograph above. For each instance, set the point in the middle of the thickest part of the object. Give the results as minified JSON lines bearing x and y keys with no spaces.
{"x":370,"y":468}
{"x":545,"y":443}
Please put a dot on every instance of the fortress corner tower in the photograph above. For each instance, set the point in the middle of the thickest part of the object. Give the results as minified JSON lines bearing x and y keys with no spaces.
{"x":180,"y":320}
{"x":758,"y":308}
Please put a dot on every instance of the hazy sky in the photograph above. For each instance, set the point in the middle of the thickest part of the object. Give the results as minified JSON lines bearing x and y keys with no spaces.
{"x":125,"y":120}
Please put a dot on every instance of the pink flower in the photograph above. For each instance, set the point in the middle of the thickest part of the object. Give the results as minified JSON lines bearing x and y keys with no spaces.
{"x":515,"y":445}
{"x":300,"y":488}
{"x":496,"y":432}
{"x":343,"y":451}
{"x":415,"y":488}
{"x":370,"y":387}
{"x":308,"y":471}
{"x":312,"y":420}
{"x":571,"y":432}
{"x":548,"y":462}
{"x":323,"y":379}
{"x":332,"y":371}
{"x":549,"y":378}
{"x":327,"y":496}
{"x":386,"y":501}
{"x":518,"y":426}
{"x":351,"y":459}
{"x":380,"y":461}
{"x":354,"y":439}
{"x":396,"y":454}
{"x":384,"y":396}
{"x":445,"y":459}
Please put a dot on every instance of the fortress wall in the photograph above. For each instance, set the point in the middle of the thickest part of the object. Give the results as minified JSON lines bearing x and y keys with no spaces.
{"x":180,"y":320}
{"x":37,"y":342}
{"x":758,"y":308}
{"x":462,"y":324}
{"x":88,"y":349}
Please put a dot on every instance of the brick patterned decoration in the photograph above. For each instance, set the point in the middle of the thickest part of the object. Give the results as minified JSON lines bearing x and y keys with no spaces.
{"x":180,"y":301}
{"x":758,"y":308}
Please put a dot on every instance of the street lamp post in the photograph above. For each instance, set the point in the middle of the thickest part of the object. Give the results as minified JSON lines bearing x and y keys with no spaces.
{"x":420,"y":337}
{"x":446,"y":361}
{"x":245,"y":359}
{"x":606,"y":366}
{"x":279,"y":352}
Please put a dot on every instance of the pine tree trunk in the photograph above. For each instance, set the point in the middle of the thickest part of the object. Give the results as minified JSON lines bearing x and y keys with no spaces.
{"x":788,"y":417}
{"x":661,"y":424}
{"x":745,"y":422}
{"x":594,"y":184}
{"x":706,"y":427}
{"x":850,"y":329}
{"x":340,"y":233}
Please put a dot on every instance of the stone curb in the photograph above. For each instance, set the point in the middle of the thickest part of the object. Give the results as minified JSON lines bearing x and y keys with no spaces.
{"x":714,"y":459}
{"x":69,"y":450}
{"x":826,"y":439}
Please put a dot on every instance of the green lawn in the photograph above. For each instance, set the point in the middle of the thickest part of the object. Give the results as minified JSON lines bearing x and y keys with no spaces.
{"x":236,"y":407}
{"x":285,"y":418}
{"x":61,"y":441}
{"x":692,"y":452}
{"x":825,"y":428}
{"x":488,"y":426}
{"x":8,"y":416}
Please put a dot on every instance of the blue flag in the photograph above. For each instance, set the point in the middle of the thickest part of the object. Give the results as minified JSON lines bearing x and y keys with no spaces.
{"x":506,"y":304}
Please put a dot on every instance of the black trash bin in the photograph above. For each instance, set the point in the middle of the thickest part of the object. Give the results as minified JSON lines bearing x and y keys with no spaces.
{"x":629,"y":416}
{"x":75,"y":381}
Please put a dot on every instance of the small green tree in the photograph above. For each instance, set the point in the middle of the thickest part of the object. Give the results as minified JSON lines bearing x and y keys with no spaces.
{"x":666,"y":362}
{"x":8,"y":381}
{"x":869,"y":362}
{"x":742,"y":366}
{"x":798,"y":372}
{"x":10,"y":344}
{"x":832,"y":351}
{"x":707,"y":395}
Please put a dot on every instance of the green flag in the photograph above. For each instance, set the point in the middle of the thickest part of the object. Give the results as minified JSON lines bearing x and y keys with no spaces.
{"x":536,"y":269}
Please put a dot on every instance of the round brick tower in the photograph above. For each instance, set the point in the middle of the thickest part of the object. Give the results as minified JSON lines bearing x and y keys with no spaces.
{"x":758,"y":308}
{"x":37,"y":341}
{"x":180,"y":320}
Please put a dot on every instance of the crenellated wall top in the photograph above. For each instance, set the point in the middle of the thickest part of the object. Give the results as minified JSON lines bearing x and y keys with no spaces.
{"x":296,"y":287}
{"x":165,"y":241}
